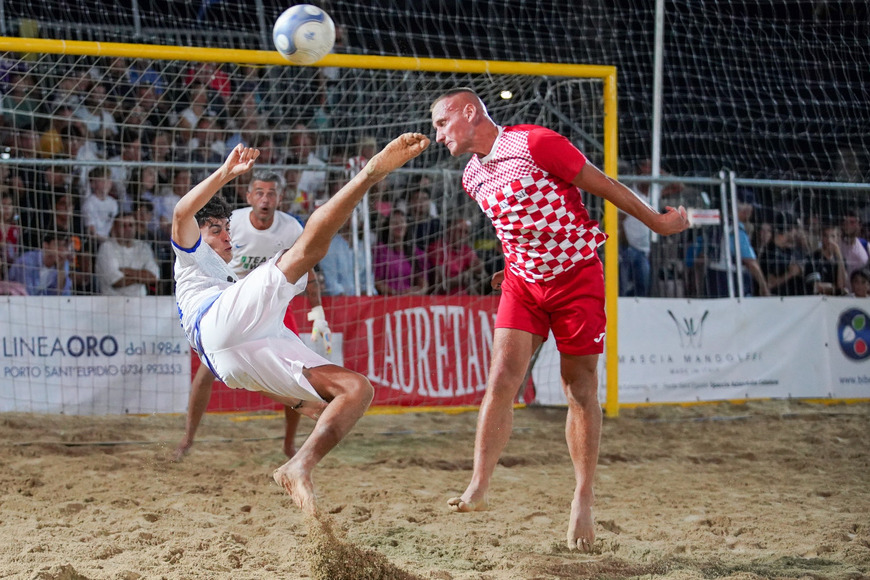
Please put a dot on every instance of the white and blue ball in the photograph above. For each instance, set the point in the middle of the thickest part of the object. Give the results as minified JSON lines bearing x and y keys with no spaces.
{"x":304,"y":34}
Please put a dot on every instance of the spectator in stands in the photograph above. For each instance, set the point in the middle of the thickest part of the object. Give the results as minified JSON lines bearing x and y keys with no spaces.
{"x":207,"y":145}
{"x":10,"y":232}
{"x":196,"y":108}
{"x":45,"y":272}
{"x":854,"y":248}
{"x":217,"y":82}
{"x":398,"y":266}
{"x":860,"y":280}
{"x":85,"y":152}
{"x":70,"y":89}
{"x":782,"y":263}
{"x":20,"y":103}
{"x":458,"y":268}
{"x":143,"y":183}
{"x":424,"y":227}
{"x":271,"y":152}
{"x":36,"y":214}
{"x":167,"y":197}
{"x":65,"y":219}
{"x":51,"y":140}
{"x":124,"y":265}
{"x":24,"y":145}
{"x":131,"y":152}
{"x":825,"y":269}
{"x":160,"y":151}
{"x":96,"y":112}
{"x":302,"y":147}
{"x":99,"y":209}
{"x":718,"y":268}
{"x":634,"y":248}
{"x":143,"y":217}
{"x":340,"y":265}
{"x":295,"y":201}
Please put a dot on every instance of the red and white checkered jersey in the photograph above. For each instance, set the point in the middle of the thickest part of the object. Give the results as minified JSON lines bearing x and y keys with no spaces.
{"x":524,"y":186}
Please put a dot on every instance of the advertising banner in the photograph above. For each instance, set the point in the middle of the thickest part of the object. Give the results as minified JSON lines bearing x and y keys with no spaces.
{"x":848,"y":340}
{"x":678,"y":350}
{"x":92,"y":355}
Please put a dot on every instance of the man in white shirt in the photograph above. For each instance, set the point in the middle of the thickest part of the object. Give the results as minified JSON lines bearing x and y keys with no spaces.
{"x":125,"y":266}
{"x":259,"y":232}
{"x":236,"y":326}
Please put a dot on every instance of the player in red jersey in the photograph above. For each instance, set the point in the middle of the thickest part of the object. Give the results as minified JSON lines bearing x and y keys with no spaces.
{"x":527,"y":180}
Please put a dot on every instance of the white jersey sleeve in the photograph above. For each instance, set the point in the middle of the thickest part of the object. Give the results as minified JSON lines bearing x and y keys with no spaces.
{"x":200,"y":276}
{"x":252,"y":247}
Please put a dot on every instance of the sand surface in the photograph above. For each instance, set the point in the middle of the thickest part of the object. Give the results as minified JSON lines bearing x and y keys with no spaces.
{"x":762,"y":490}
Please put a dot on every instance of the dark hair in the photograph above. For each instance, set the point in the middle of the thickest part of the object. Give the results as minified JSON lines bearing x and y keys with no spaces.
{"x":860,"y":273}
{"x":58,"y":236}
{"x":217,"y":208}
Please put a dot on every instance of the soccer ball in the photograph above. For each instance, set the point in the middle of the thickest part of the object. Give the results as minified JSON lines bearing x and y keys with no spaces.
{"x":303,"y":34}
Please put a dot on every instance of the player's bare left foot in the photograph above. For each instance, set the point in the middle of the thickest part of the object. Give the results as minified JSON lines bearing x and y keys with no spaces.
{"x":581,"y":526}
{"x":182,"y":450}
{"x":397,"y":152}
{"x":298,"y":486}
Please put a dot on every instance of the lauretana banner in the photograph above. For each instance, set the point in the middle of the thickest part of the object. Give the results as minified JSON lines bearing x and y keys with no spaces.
{"x":417,"y":350}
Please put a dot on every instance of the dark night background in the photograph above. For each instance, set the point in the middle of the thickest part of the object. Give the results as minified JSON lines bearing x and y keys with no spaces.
{"x":770,"y":89}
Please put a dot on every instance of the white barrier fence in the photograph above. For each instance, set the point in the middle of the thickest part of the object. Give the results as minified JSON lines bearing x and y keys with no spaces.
{"x":678,"y":350}
{"x":109,"y":355}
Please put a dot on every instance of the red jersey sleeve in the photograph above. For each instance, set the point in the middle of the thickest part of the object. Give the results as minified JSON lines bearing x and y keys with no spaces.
{"x":555,"y":154}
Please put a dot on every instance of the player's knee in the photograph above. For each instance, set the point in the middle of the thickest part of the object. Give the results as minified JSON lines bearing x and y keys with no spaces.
{"x":582,"y":395}
{"x":365,"y":391}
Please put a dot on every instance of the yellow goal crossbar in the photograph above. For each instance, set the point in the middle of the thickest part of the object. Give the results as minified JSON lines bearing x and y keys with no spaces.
{"x":607,"y":74}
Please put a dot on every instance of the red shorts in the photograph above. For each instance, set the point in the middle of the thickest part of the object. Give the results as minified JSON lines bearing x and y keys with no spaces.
{"x":571,"y":305}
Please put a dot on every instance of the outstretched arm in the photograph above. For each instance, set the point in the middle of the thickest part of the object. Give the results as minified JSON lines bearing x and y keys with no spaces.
{"x":591,"y":179}
{"x":185,"y":232}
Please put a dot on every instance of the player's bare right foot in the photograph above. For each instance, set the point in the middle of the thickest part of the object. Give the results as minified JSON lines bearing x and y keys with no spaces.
{"x":397,"y":152}
{"x":581,"y":526}
{"x":469,"y":504}
{"x":298,"y":485}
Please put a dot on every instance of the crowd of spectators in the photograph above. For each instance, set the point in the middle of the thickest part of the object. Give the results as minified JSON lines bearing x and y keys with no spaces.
{"x":102,"y":152}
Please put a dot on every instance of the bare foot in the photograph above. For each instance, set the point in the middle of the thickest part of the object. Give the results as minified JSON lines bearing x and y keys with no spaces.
{"x":397,"y":152}
{"x":298,"y":486}
{"x":458,"y":504}
{"x":182,"y":450}
{"x":581,"y":526}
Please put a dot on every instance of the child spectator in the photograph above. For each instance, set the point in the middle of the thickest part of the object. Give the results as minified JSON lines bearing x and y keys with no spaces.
{"x":99,"y":209}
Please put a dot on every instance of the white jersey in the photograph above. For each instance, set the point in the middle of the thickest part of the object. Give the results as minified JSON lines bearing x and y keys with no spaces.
{"x":200,"y":276}
{"x":252,"y":247}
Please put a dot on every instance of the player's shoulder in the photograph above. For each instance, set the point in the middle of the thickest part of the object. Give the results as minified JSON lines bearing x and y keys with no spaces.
{"x":240,"y":212}
{"x":526,"y":129}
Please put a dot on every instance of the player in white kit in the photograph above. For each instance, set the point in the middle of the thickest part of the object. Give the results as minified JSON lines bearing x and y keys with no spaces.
{"x":259,"y":232}
{"x":236,"y":326}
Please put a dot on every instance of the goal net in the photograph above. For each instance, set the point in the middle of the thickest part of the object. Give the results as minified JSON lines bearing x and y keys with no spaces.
{"x":83,"y":120}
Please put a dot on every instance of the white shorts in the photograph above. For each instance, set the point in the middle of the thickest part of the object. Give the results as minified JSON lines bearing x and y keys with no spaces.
{"x":245,"y":340}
